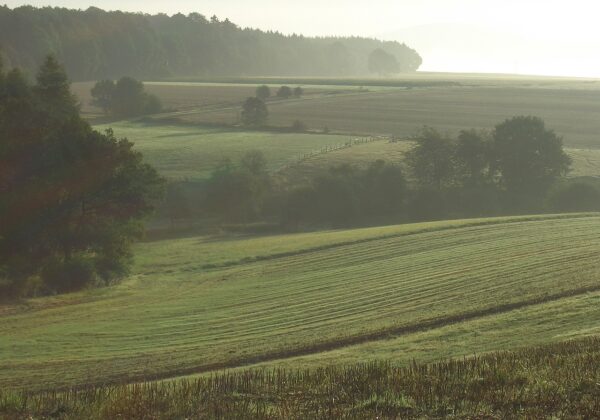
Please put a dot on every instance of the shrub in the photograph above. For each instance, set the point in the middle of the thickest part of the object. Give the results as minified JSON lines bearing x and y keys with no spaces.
{"x":284,"y":92}
{"x":427,"y":204}
{"x":263,"y":92}
{"x":575,"y":197}
{"x":254,"y":112}
{"x":69,"y":276}
{"x":152,"y":104}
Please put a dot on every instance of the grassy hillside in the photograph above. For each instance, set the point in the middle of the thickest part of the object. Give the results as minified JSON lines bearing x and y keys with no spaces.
{"x":203,"y":303}
{"x":551,"y":381}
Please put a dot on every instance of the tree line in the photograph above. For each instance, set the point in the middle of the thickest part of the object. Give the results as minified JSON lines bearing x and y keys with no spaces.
{"x":517,"y":168}
{"x":95,"y":44}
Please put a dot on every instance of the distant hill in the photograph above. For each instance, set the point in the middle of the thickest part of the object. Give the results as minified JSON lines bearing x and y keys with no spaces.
{"x":96,"y":44}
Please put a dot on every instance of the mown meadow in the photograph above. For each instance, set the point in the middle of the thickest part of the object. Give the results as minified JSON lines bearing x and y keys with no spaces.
{"x":200,"y":304}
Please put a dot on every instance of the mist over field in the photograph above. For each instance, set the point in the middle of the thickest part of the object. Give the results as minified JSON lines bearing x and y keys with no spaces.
{"x":299,"y":210}
{"x":535,"y":37}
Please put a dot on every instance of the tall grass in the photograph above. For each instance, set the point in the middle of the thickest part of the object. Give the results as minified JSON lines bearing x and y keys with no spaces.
{"x":560,"y":380}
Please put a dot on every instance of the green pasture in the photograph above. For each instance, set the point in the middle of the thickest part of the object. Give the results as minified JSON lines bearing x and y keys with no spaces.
{"x":205,"y":303}
{"x":189,"y":152}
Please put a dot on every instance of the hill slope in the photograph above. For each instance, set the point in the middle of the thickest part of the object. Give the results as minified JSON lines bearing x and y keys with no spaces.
{"x":203,"y":303}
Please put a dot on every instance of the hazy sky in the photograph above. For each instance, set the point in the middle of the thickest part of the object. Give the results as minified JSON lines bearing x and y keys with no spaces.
{"x":527,"y":36}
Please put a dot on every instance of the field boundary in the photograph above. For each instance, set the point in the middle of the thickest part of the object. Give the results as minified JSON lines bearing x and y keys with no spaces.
{"x":328,"y":148}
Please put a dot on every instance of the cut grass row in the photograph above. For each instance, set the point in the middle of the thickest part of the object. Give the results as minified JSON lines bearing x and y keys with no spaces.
{"x":551,"y":381}
{"x":174,"y":316}
{"x":553,"y":321}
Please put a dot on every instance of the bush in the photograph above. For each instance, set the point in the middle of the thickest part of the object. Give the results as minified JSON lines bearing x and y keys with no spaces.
{"x":152,"y":104}
{"x":125,"y":98}
{"x":7,"y":288}
{"x":427,"y":204}
{"x":285,"y":92}
{"x":69,"y":276}
{"x":575,"y":197}
{"x":254,"y":112}
{"x":263,"y":92}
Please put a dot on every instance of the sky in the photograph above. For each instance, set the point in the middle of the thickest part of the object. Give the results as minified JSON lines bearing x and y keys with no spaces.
{"x":546,"y":37}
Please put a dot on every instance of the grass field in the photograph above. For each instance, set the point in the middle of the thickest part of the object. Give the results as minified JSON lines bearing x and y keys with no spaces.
{"x":204,"y":303}
{"x":393,"y":107}
{"x":550,"y":381}
{"x":571,"y":113}
{"x":182,"y":96}
{"x":182,"y":151}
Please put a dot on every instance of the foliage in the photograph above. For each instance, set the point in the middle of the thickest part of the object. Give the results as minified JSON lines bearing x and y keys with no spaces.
{"x":70,"y":197}
{"x":476,"y":174}
{"x":285,"y":92}
{"x":383,"y":63}
{"x":254,"y":112}
{"x":575,"y":197}
{"x":263,"y":92}
{"x":95,"y":44}
{"x":177,"y":203}
{"x":472,"y":158}
{"x":298,"y":91}
{"x":529,"y":158}
{"x":431,"y":159}
{"x":348,"y":195}
{"x":126,"y":98}
{"x":102,"y":95}
{"x":237,"y":194}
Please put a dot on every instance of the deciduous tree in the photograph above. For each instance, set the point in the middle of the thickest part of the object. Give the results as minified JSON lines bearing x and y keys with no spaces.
{"x":254,"y":112}
{"x":529,"y":157}
{"x":71,"y":198}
